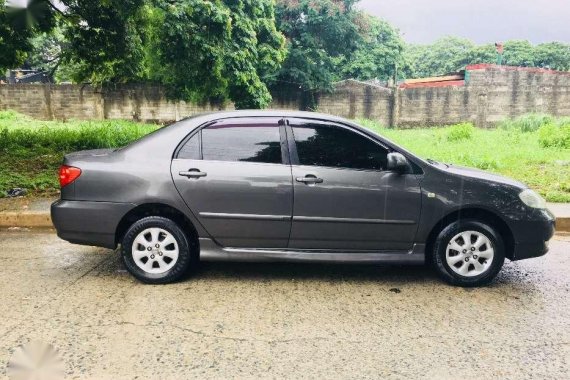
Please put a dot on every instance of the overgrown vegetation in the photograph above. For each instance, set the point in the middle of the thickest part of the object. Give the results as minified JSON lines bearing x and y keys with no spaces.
{"x":527,"y":123}
{"x":538,"y":156}
{"x":32,"y":150}
{"x":458,"y":132}
{"x":555,"y":135}
{"x":552,"y":132}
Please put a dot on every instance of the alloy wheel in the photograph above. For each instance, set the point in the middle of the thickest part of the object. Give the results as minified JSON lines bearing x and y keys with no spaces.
{"x":469,"y":253}
{"x":155,"y":250}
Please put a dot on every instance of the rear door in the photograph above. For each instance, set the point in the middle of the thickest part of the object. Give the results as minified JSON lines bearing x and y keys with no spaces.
{"x":345,"y":198}
{"x":234,"y":175}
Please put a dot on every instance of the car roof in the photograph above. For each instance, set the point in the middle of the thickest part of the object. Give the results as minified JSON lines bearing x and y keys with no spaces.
{"x":270,"y":113}
{"x":167,"y":138}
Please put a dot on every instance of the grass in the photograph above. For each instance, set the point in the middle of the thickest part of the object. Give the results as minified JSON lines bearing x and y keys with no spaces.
{"x":507,"y":151}
{"x":32,"y":150}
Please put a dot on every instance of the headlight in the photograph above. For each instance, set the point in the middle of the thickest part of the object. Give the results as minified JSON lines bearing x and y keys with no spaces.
{"x":532,"y":199}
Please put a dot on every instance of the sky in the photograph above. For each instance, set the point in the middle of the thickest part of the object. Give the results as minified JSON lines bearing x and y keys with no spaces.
{"x":482,"y":21}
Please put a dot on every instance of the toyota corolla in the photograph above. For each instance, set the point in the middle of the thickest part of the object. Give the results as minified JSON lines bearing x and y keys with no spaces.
{"x":292,"y":186}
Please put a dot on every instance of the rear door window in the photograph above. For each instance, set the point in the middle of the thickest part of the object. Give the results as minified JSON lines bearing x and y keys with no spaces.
{"x":191,"y":149}
{"x":237,"y":140}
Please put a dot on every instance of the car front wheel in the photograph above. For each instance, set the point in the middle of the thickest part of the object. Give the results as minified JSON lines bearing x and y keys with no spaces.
{"x":156,"y":251}
{"x":468,"y":253}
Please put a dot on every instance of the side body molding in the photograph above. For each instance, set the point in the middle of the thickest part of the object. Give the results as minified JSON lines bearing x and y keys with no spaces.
{"x":210,"y":251}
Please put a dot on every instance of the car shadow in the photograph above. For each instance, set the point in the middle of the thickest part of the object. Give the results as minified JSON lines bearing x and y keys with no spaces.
{"x":389,"y":274}
{"x":330,"y":272}
{"x":265,"y":271}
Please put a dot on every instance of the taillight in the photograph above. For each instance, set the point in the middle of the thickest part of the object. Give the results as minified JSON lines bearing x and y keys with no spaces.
{"x":68,"y":174}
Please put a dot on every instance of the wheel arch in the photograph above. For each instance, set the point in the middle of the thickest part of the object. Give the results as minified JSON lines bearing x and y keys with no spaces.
{"x":157,"y":209}
{"x":479,"y":214}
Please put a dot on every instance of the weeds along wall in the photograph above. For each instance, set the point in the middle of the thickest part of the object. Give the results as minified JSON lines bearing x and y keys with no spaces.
{"x":487,"y":95}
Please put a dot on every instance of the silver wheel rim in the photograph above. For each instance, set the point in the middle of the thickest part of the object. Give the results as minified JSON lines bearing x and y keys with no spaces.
{"x":155,"y":250}
{"x":469,"y":253}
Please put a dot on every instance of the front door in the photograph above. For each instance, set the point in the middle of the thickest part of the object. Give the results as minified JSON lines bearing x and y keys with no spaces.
{"x":344,"y":198}
{"x":235,"y":177}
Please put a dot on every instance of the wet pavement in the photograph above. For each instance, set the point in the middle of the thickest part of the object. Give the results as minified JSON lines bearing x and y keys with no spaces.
{"x":283,"y":320}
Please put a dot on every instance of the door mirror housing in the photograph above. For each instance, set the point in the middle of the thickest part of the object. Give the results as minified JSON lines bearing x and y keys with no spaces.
{"x":398,"y":163}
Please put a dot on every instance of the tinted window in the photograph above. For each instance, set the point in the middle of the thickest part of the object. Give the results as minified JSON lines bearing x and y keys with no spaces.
{"x":191,"y":150}
{"x":242,"y":140}
{"x":323,"y":145}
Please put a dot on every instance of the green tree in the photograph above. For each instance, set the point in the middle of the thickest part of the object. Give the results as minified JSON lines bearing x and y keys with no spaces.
{"x":553,"y":55}
{"x":378,"y":55}
{"x":482,"y":54}
{"x":446,"y":55}
{"x":217,"y":50}
{"x":320,"y":33}
{"x":17,"y":26}
{"x":518,"y":53}
{"x":47,"y":51}
{"x":453,"y":54}
{"x":106,"y":40}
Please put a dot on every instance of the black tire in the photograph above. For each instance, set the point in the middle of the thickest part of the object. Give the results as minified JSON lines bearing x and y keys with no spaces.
{"x":186,"y":254}
{"x":444,"y":238}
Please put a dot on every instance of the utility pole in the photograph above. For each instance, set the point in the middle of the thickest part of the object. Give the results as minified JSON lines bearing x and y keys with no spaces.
{"x":500,"y":48}
{"x":393,"y":121}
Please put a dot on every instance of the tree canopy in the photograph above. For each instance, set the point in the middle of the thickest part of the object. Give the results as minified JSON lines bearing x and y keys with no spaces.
{"x":319,"y":34}
{"x":235,"y":50}
{"x":199,"y":49}
{"x":106,"y":40}
{"x":217,"y":50}
{"x":451,"y":54}
{"x":379,"y":53}
{"x":18,"y":26}
{"x":330,"y":40}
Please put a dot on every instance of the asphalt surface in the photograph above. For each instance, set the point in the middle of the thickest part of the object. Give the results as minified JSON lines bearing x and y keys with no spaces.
{"x":283,"y":320}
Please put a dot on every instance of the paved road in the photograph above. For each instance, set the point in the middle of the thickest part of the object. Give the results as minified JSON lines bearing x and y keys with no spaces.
{"x":273,"y":321}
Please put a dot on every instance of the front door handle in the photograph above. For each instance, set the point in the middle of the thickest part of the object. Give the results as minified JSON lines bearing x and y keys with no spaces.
{"x":309,"y":179}
{"x":192,"y":173}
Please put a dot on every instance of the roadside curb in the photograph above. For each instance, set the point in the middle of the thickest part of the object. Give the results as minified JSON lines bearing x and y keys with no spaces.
{"x":25,"y":219}
{"x":563,"y":224}
{"x":43,"y":220}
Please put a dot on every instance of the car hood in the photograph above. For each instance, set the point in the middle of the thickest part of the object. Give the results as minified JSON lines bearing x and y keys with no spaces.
{"x":481,"y":174}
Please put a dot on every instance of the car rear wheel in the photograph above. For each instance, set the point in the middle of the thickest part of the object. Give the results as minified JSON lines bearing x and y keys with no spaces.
{"x":468,"y":253}
{"x":156,"y":251}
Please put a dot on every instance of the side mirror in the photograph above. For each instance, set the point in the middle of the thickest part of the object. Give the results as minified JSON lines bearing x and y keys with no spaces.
{"x":398,"y":163}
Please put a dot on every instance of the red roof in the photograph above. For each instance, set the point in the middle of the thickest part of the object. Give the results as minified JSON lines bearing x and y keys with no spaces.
{"x":483,"y":66}
{"x":444,"y":83}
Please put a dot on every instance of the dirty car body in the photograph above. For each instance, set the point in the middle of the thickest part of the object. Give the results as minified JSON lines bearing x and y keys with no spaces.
{"x":292,"y":186}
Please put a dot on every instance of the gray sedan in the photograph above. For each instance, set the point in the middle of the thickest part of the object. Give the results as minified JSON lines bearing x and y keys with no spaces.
{"x":292,"y":186}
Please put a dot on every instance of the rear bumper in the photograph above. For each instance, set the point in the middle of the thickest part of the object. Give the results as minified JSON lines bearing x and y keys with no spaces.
{"x":531,"y":237}
{"x":88,"y":223}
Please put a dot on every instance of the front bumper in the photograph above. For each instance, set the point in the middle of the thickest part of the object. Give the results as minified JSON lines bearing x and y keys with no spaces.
{"x":531,"y":237}
{"x":88,"y":223}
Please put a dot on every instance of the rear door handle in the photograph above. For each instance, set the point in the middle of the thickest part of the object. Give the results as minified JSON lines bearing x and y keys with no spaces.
{"x":309,"y":179}
{"x":192,"y":173}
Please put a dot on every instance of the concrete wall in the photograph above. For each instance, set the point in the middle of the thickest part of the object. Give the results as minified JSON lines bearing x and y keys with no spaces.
{"x":137,"y":102}
{"x":488,"y":95}
{"x":509,"y":92}
{"x":353,"y":99}
{"x":433,"y":106}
